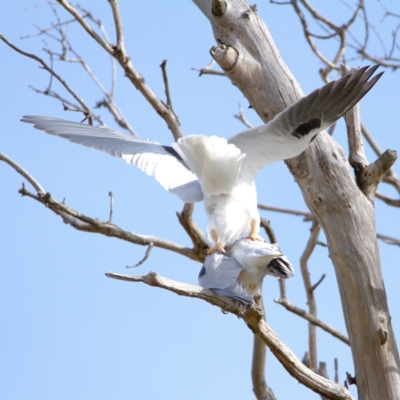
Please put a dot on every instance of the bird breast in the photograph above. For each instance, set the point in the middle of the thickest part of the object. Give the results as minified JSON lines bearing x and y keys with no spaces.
{"x":231,"y":214}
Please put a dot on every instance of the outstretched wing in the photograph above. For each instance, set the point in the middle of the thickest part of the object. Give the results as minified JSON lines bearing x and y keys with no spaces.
{"x":292,"y":130}
{"x":162,"y":162}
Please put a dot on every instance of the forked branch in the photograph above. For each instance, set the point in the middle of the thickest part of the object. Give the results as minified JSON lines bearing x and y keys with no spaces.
{"x":84,"y":223}
{"x":253,"y":317}
{"x":118,"y":51}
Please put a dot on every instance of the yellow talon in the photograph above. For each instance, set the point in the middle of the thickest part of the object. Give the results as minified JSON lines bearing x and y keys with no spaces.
{"x":217,"y":246}
{"x":254,"y":228}
{"x":254,"y":236}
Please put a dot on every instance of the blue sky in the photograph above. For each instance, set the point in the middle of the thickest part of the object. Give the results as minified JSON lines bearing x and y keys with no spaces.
{"x":70,"y":332}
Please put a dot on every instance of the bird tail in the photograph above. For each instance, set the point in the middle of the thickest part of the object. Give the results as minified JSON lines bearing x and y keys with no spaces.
{"x":215,"y":162}
{"x":281,"y":268}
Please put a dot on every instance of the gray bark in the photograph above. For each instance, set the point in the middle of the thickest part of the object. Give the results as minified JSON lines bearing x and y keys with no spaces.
{"x":250,"y":59}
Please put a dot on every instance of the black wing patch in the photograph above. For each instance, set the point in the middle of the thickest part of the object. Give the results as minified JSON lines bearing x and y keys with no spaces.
{"x":306,"y":128}
{"x":202,"y":271}
{"x":171,"y":151}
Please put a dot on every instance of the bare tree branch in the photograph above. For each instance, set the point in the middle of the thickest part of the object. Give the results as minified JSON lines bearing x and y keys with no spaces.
{"x":390,"y":176}
{"x":82,"y":222}
{"x":312,"y":319}
{"x":208,"y":70}
{"x":316,"y":284}
{"x":307,"y":215}
{"x":368,"y":175}
{"x":312,"y":305}
{"x":336,"y":370}
{"x":268,"y":229}
{"x":241,"y":117}
{"x":260,"y":388}
{"x":52,"y":73}
{"x":253,"y":317}
{"x":146,"y":256}
{"x":192,"y":229}
{"x":36,"y":185}
{"x":388,"y":239}
{"x":119,"y":53}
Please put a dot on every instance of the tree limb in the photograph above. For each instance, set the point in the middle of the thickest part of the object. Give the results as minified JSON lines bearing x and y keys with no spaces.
{"x":329,"y":190}
{"x":119,"y":53}
{"x":192,"y":229}
{"x":260,"y":388}
{"x":52,"y":73}
{"x":84,"y":223}
{"x":253,"y":317}
{"x":312,"y":305}
{"x":368,"y":176}
{"x":312,"y":319}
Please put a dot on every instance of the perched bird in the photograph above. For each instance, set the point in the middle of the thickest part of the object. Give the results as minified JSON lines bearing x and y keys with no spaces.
{"x":239,"y":272}
{"x":218,"y":171}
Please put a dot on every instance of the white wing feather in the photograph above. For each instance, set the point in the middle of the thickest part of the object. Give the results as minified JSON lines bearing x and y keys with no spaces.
{"x":154,"y":159}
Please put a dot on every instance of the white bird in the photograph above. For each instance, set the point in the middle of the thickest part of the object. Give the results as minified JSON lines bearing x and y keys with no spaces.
{"x":239,"y":272}
{"x":218,"y":171}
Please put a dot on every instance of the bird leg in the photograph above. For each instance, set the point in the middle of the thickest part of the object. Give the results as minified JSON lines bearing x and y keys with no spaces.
{"x":253,"y":231}
{"x":217,"y":246}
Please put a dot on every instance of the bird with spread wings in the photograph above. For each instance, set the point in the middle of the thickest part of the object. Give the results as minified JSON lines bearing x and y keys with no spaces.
{"x":222,"y":172}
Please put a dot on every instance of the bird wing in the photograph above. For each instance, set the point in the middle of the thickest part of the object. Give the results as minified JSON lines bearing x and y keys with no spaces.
{"x":292,"y":130}
{"x":220,"y":274}
{"x":162,"y":162}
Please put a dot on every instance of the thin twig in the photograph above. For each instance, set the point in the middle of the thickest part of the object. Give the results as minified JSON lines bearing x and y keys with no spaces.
{"x":111,"y":206}
{"x":241,"y":117}
{"x":119,"y":53}
{"x":119,"y":31}
{"x":81,"y":20}
{"x":336,"y":370}
{"x":163,"y":66}
{"x":388,"y":239}
{"x":313,"y":287}
{"x":146,"y":256}
{"x":208,"y":70}
{"x":312,"y":319}
{"x":268,"y":230}
{"x":48,"y":69}
{"x":307,"y":215}
{"x":388,"y":200}
{"x":37,"y":186}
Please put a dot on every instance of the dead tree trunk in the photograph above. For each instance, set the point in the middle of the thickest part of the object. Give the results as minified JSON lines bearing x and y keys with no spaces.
{"x":250,"y":59}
